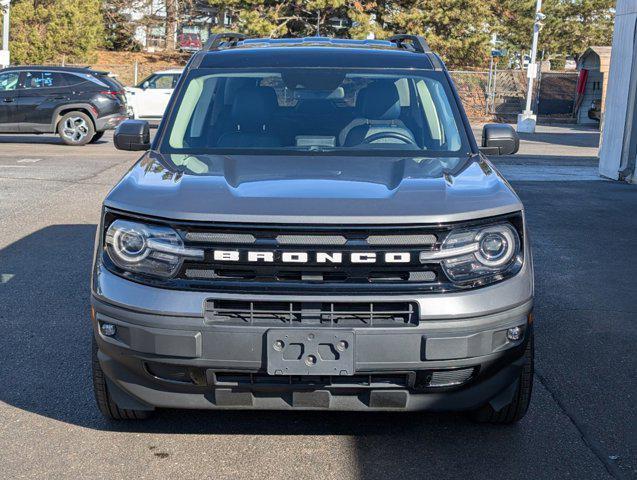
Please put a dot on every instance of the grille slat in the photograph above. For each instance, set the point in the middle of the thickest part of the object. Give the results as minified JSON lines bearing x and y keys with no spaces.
{"x":401,"y":240}
{"x":329,"y":314}
{"x":218,"y":237}
{"x":311,"y":240}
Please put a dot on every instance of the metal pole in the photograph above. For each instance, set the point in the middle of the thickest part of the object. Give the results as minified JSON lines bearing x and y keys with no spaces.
{"x":532,"y":64}
{"x":5,"y":25}
{"x":489,"y":87}
{"x":526,"y":119}
{"x":539,"y":85}
{"x":5,"y":59}
{"x":495,"y":84}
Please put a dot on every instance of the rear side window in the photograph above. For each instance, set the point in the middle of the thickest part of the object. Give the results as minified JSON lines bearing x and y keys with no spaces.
{"x":68,"y":79}
{"x":43,"y":79}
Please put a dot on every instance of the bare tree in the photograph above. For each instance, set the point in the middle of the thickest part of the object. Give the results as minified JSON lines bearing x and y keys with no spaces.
{"x":172,"y":18}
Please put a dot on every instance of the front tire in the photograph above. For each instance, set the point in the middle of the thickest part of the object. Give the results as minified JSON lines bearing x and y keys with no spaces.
{"x":97,"y":137}
{"x":105,"y":403}
{"x":76,"y":129}
{"x":514,"y":411}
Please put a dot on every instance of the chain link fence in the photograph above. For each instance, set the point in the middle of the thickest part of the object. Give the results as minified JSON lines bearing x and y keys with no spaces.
{"x":509,"y":92}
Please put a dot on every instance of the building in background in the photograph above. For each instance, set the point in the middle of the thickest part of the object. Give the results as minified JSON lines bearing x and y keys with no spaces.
{"x":593,"y":66}
{"x":618,"y":152}
{"x":194,"y":24}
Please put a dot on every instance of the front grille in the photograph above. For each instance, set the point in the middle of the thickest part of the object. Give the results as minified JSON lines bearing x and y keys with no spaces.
{"x":315,"y":314}
{"x":227,"y":264}
{"x":388,"y":380}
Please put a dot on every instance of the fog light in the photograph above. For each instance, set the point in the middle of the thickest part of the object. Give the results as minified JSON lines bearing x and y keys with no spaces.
{"x":108,"y":329}
{"x":514,"y":334}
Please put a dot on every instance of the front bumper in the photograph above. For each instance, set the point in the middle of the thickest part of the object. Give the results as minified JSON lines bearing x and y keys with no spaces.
{"x":456,"y":331}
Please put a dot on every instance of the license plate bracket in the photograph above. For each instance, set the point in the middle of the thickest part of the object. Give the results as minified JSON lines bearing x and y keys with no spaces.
{"x":304,"y":351}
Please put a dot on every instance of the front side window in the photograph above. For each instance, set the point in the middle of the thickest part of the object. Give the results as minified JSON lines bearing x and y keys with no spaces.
{"x":9,"y":81}
{"x":160,"y":81}
{"x":326,"y":111}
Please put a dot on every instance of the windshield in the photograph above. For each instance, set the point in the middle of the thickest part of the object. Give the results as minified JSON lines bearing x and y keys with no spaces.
{"x":291,"y":110}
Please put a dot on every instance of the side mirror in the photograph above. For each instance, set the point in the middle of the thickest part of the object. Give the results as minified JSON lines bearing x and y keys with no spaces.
{"x":499,"y":139}
{"x":132,"y":135}
{"x":145,"y":85}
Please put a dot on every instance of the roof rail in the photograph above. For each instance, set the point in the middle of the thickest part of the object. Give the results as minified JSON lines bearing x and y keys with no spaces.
{"x":226,"y":39}
{"x":417,"y":42}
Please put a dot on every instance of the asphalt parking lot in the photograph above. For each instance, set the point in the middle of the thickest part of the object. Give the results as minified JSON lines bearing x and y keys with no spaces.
{"x":582,"y":422}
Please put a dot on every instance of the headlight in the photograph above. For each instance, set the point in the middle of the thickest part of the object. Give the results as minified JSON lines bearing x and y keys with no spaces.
{"x":474,"y":253}
{"x":148,"y":249}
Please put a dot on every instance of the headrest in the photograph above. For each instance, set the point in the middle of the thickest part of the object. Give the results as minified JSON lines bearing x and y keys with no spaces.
{"x":253,"y":105}
{"x":380,"y":101}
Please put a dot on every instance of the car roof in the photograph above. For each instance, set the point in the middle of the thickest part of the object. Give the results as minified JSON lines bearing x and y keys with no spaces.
{"x":170,"y":70}
{"x":55,"y":69}
{"x":310,"y":56}
{"x":316,"y":52}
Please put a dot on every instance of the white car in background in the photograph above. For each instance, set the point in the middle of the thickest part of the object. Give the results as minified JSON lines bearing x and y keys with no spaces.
{"x":149,"y":99}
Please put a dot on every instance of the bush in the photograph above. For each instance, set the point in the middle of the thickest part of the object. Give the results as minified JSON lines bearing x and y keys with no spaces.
{"x":47,"y":31}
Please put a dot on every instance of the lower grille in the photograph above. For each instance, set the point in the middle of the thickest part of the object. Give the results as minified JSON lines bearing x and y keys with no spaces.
{"x":314,"y":314}
{"x":355,"y":381}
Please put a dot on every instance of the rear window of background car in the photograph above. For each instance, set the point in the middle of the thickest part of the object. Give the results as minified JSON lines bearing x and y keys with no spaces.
{"x":49,"y":79}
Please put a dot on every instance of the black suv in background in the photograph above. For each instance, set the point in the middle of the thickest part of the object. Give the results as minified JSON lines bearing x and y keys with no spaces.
{"x":78,"y":104}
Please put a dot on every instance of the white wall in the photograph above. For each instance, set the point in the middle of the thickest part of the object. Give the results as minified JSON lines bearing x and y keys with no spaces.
{"x":619,"y":135}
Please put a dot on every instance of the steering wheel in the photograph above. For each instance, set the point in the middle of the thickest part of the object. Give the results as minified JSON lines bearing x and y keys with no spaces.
{"x":395,"y":135}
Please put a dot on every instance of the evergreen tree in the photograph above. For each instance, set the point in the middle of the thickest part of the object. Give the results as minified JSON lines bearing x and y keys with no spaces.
{"x":573,"y":25}
{"x":569,"y":28}
{"x":458,"y":30}
{"x":48,"y":30}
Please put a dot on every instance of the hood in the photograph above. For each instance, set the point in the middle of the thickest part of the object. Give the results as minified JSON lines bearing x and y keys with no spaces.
{"x":312,"y":189}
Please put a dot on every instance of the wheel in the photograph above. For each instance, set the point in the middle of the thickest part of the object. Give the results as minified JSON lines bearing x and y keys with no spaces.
{"x":76,"y":128}
{"x":515,"y":410}
{"x":97,"y":137}
{"x":104,"y":401}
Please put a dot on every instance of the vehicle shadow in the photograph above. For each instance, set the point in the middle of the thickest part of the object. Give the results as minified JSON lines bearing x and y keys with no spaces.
{"x":45,"y":370}
{"x":577,"y":137}
{"x":45,"y":350}
{"x":46,"y":139}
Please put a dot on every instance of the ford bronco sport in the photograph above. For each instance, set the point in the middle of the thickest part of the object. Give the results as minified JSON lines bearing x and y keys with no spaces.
{"x":313,"y":227}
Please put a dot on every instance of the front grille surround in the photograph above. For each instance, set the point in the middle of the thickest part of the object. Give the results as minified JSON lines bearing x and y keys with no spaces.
{"x":311,"y":314}
{"x":297,"y":279}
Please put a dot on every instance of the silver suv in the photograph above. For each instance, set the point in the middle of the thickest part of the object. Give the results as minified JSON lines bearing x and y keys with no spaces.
{"x":313,"y":227}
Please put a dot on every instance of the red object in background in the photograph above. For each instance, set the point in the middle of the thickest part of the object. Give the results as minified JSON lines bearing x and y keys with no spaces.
{"x":581,"y":88}
{"x":189,"y":41}
{"x":581,"y":81}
